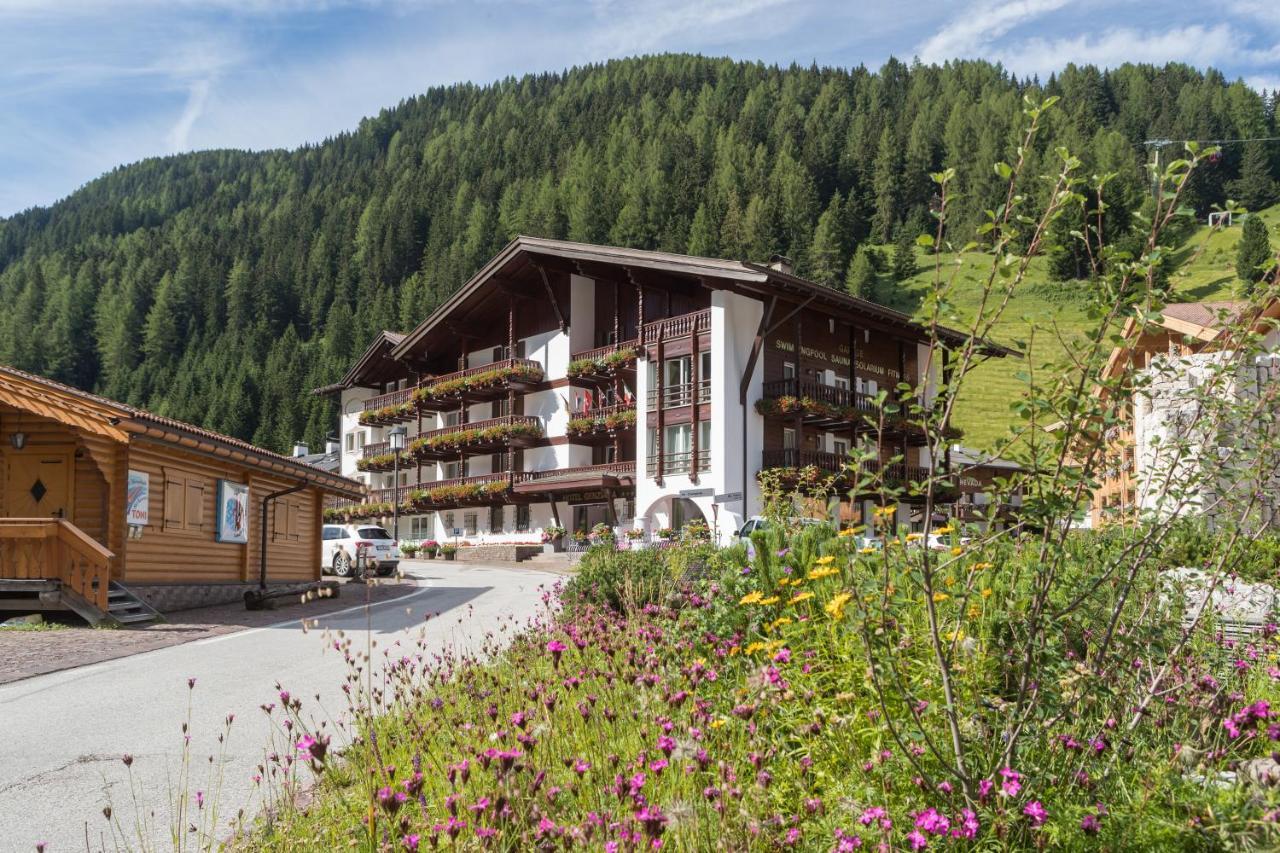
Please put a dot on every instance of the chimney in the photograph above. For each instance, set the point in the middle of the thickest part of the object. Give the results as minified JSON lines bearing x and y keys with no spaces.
{"x":781,"y":263}
{"x":300,"y":449}
{"x":331,"y":446}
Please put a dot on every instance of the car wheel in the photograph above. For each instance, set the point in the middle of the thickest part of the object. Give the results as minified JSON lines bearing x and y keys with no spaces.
{"x":342,"y":565}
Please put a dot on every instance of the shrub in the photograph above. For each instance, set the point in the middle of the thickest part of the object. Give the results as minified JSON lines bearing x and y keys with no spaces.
{"x":626,"y":581}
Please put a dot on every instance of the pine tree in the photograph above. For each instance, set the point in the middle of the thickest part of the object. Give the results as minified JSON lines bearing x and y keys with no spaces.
{"x":904,"y":256}
{"x":1254,"y":251}
{"x":888,"y":186}
{"x":827,"y":254}
{"x":1255,"y":188}
{"x":861,"y":280}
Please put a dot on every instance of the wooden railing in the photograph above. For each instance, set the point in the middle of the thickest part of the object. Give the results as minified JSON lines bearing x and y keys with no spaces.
{"x":617,"y":469}
{"x":55,"y":549}
{"x":837,"y":463}
{"x":676,"y":327}
{"x":484,"y":368}
{"x":393,"y":398}
{"x":820,"y":391}
{"x":604,"y":411}
{"x":504,"y":420}
{"x":604,"y":351}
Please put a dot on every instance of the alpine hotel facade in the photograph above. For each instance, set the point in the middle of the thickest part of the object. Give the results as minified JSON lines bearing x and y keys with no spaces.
{"x":569,"y":384}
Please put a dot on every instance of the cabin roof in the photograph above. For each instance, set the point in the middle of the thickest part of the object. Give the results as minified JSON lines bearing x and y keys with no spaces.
{"x":121,"y":421}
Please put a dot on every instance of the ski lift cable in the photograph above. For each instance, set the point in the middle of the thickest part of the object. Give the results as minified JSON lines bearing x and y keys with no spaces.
{"x":1161,"y":143}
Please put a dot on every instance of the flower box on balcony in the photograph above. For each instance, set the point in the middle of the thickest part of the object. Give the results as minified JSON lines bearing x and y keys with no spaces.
{"x":610,"y":422}
{"x":519,"y":372}
{"x":604,"y":364}
{"x":376,"y":463}
{"x":387,"y":414}
{"x":514,"y":432}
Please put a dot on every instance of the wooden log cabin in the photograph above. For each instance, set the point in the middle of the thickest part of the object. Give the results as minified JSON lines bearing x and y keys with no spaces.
{"x":114,"y":512}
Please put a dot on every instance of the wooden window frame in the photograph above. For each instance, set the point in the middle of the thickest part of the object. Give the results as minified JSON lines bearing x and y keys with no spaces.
{"x":184,"y":502}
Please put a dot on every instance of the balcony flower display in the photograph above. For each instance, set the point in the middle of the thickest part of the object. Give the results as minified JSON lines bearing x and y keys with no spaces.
{"x":552,"y":532}
{"x":337,"y":515}
{"x":612,"y":422}
{"x":789,"y":405}
{"x":614,"y":361}
{"x":374,"y":463}
{"x":463,"y":437}
{"x":373,"y":417}
{"x":457,"y":493}
{"x":485,"y":379}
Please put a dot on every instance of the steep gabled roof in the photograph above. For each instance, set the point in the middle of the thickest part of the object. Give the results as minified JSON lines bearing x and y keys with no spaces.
{"x":757,"y":278}
{"x":377,"y":352}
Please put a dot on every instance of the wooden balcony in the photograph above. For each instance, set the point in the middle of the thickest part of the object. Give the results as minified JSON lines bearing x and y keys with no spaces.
{"x":377,"y":456}
{"x":829,"y":407}
{"x":391,"y":408}
{"x":676,"y":327}
{"x":478,"y":437}
{"x":603,"y":424}
{"x":604,"y":363}
{"x":606,"y":476}
{"x":477,"y":384}
{"x":894,"y":476}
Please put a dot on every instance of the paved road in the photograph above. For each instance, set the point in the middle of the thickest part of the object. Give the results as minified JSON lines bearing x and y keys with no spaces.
{"x":62,"y":735}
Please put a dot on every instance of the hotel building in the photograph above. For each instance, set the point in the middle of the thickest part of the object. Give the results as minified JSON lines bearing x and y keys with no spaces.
{"x":570,"y":384}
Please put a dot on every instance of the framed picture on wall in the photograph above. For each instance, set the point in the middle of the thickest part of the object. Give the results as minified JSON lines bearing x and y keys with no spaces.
{"x":233,"y":512}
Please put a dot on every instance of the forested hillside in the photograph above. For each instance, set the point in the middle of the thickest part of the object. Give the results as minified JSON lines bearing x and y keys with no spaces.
{"x":220,"y":287}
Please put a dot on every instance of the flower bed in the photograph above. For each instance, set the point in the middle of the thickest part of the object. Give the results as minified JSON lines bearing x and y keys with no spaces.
{"x":480,"y":381}
{"x":387,"y":413}
{"x":616,"y":360}
{"x":612,"y":422}
{"x":499,"y":433}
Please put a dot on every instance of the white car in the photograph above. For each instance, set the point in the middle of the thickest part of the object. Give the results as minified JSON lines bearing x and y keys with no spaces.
{"x":341,"y":541}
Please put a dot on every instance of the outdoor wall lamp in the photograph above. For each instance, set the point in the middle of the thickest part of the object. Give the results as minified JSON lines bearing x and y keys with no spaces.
{"x":18,"y":440}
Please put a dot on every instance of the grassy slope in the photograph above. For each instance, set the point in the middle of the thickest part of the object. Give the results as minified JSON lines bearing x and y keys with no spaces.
{"x":1206,"y":271}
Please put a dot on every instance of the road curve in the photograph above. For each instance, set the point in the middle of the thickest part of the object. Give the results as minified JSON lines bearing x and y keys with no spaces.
{"x":62,"y":735}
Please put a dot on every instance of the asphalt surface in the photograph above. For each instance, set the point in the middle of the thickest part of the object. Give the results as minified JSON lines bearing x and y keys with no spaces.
{"x":63,"y":735}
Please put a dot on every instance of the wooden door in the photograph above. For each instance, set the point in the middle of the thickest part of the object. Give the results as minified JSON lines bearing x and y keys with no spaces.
{"x":38,"y":485}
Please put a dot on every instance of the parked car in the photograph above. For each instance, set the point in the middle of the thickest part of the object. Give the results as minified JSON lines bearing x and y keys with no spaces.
{"x":759,"y":522}
{"x":341,"y":541}
{"x":869,"y":543}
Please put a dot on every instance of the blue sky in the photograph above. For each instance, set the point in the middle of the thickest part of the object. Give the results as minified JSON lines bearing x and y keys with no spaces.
{"x":86,"y":85}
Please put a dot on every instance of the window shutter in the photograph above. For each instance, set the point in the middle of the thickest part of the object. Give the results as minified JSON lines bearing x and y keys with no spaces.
{"x":174,"y":504}
{"x":279,"y":520}
{"x":293,"y":522}
{"x":195,"y":505}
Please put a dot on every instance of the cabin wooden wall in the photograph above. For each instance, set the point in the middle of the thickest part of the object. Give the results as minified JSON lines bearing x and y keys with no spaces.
{"x":173,"y":554}
{"x":89,"y":498}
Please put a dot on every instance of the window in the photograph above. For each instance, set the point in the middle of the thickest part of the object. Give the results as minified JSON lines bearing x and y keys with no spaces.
{"x":840,"y":448}
{"x":788,"y":439}
{"x":448,"y":524}
{"x":470,"y":523}
{"x":421,"y":527}
{"x":351,"y":442}
{"x":788,"y":370}
{"x":603,"y":455}
{"x":497,"y":522}
{"x":184,"y":495}
{"x":332,"y":532}
{"x":522,"y":518}
{"x":841,"y":382}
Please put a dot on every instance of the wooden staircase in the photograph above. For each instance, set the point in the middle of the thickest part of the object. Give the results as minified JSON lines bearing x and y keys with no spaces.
{"x":50,"y":564}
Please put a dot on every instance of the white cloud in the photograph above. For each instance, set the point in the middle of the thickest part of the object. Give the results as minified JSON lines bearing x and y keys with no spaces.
{"x":969,"y":33}
{"x":179,"y":135}
{"x":1197,"y":45}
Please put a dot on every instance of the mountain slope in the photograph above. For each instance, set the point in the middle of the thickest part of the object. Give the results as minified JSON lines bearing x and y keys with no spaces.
{"x":219,"y":287}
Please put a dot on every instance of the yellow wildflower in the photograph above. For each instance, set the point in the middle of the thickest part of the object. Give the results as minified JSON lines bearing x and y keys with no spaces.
{"x":715,"y":724}
{"x":823,"y":572}
{"x":957,"y":551}
{"x":974,"y":611}
{"x":866,"y":550}
{"x":773,"y":599}
{"x":913,"y":537}
{"x":779,"y":622}
{"x":940,"y":596}
{"x":943,"y":531}
{"x":952,"y":636}
{"x":835,"y":607}
{"x":751,"y":598}
{"x":977,"y":567}
{"x":801,"y":596}
{"x":848,"y":531}
{"x":986,"y":593}
{"x":753,"y":648}
{"x":774,"y":645}
{"x":825,"y":560}
{"x":950,"y":581}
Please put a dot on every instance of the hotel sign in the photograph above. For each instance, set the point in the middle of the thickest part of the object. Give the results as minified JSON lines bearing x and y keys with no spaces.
{"x":839,"y":358}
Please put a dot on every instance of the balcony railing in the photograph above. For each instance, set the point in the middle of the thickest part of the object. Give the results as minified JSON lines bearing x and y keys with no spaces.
{"x":615,"y":469}
{"x":390,"y":408}
{"x":676,"y":327}
{"x":450,"y":389}
{"x":896,"y":474}
{"x":674,"y":396}
{"x":821,"y":392}
{"x":377,"y":456}
{"x":678,"y":463}
{"x":391,"y":398}
{"x":430,"y":444}
{"x":604,"y":352}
